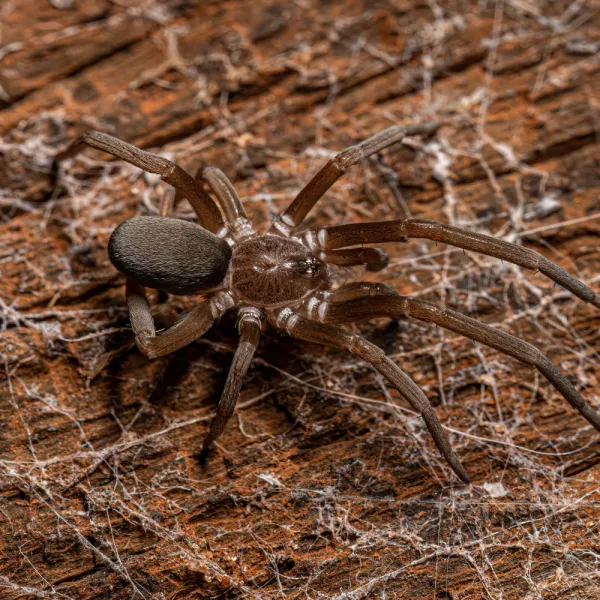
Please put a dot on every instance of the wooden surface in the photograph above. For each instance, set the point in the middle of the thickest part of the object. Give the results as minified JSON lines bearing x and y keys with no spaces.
{"x":324,"y":485}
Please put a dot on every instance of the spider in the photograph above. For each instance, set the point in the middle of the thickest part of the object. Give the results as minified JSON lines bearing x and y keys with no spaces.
{"x":284,"y":277}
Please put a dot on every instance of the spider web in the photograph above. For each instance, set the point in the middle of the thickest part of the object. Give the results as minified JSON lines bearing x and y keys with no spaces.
{"x":324,"y":485}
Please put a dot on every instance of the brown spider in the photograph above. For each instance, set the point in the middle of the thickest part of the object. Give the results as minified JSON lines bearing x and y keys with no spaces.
{"x":283,"y":277}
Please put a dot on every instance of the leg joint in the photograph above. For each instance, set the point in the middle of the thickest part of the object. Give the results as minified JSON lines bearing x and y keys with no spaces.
{"x":286,"y":319}
{"x":250,"y":315}
{"x":145,"y":343}
{"x":221,"y":303}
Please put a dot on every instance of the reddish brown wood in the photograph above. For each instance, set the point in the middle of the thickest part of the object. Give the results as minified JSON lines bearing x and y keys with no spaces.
{"x":319,"y":489}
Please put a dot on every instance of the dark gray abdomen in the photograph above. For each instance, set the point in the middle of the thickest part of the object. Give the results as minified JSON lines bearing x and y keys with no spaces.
{"x":169,"y":254}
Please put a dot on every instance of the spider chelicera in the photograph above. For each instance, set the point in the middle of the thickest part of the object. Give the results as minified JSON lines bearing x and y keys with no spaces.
{"x":283,"y":277}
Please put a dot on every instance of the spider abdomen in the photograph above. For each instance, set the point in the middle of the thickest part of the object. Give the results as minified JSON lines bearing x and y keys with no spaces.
{"x":169,"y":254}
{"x":271,"y":271}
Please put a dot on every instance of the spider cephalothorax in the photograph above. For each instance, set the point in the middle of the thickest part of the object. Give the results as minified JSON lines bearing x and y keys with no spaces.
{"x":283,"y":277}
{"x":271,"y":271}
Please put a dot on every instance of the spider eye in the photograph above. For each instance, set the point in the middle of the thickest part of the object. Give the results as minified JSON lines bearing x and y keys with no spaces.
{"x":312,"y":267}
{"x":305,"y":267}
{"x":168,"y":254}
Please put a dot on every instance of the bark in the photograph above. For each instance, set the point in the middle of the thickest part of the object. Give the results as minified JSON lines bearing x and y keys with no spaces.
{"x":324,"y":485}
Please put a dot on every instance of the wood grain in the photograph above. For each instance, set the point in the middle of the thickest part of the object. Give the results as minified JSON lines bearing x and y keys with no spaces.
{"x":322,"y":487}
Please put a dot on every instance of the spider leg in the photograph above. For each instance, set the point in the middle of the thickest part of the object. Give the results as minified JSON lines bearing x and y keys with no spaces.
{"x":194,"y":325}
{"x":167,"y":204}
{"x":400,"y":230}
{"x":358,"y":289}
{"x":314,"y":190}
{"x":404,"y":307}
{"x":250,"y":323}
{"x":374,"y":259}
{"x":319,"y":333}
{"x":203,"y":205}
{"x":229,"y":201}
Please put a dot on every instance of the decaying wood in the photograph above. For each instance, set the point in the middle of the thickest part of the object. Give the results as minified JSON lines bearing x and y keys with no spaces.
{"x":325,"y":486}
